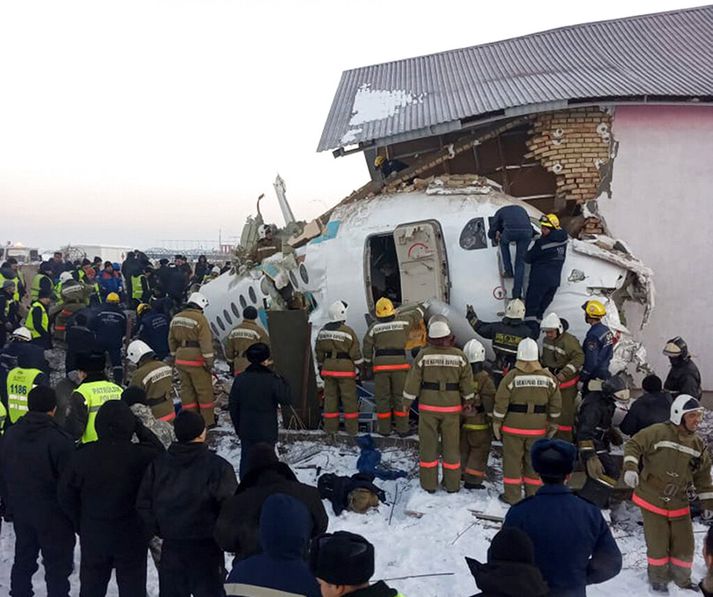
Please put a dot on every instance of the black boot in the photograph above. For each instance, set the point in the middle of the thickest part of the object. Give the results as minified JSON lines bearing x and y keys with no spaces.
{"x":660,"y":587}
{"x":467,"y":485}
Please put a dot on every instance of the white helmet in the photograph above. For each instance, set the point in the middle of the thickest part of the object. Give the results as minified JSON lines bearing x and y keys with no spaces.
{"x":527,"y":350}
{"x":551,"y":322}
{"x":338,"y":311}
{"x":515,"y":309}
{"x":475,"y":351}
{"x":215,"y":270}
{"x":65,"y":277}
{"x":263,"y":231}
{"x":439,"y":329}
{"x":682,"y":405}
{"x":137,"y":350}
{"x":198,"y":299}
{"x":22,"y":333}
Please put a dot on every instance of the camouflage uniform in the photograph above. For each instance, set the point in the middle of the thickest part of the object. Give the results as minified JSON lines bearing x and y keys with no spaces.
{"x":72,"y":297}
{"x":526,"y":403}
{"x":564,"y":358}
{"x":476,"y":432}
{"x":242,"y":337}
{"x":338,"y":353}
{"x":162,"y":430}
{"x":385,"y":347}
{"x":442,"y":380}
{"x":156,"y":379}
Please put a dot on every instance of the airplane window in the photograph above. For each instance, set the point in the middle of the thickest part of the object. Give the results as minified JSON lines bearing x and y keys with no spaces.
{"x":215,"y":329}
{"x":252,"y":295}
{"x":303,"y":273}
{"x":473,"y":236}
{"x":293,"y":279}
{"x":243,"y":302}
{"x":220,"y":323}
{"x":265,"y":286}
{"x":227,"y":317}
{"x":235,"y":310}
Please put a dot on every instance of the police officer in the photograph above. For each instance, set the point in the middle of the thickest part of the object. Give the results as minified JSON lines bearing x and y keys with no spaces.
{"x":266,"y":245}
{"x":563,"y":356}
{"x":594,"y":427}
{"x":242,"y":337}
{"x":154,"y":377}
{"x":338,"y":354}
{"x":73,"y":296}
{"x":38,"y":321}
{"x":546,"y":259}
{"x":385,"y":349}
{"x":191,"y":344}
{"x":683,"y":377}
{"x":506,"y":335}
{"x":598,"y":344}
{"x":9,"y":311}
{"x":153,"y":328}
{"x":93,"y":391}
{"x":673,"y":459}
{"x":442,"y":380}
{"x":476,"y":433}
{"x":42,"y":280}
{"x":528,"y":406}
{"x":20,"y":382}
{"x":109,"y":325}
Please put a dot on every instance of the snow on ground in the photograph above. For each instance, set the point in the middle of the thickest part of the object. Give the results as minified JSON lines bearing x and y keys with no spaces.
{"x":405,"y":545}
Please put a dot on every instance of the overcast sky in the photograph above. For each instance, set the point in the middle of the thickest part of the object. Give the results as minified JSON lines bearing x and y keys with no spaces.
{"x":137,"y":121}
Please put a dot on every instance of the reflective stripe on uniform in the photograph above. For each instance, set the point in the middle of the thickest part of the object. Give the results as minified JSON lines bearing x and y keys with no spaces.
{"x":451,"y":467}
{"x":184,"y":322}
{"x":351,"y":415}
{"x":330,"y":415}
{"x":431,"y":464}
{"x":408,"y":396}
{"x":383,"y":415}
{"x":196,"y":363}
{"x":525,"y":432}
{"x":706,"y":496}
{"x":642,"y":503}
{"x":157,"y":375}
{"x":440,"y":409}
{"x":631,"y":459}
{"x":565,"y":428}
{"x":473,"y":473}
{"x":442,"y":360}
{"x":168,"y":417}
{"x":400,"y":413}
{"x":657,"y":561}
{"x":334,"y":335}
{"x":531,"y":481}
{"x":569,"y":383}
{"x":681,"y":563}
{"x":532,"y":381}
{"x":402,"y":367}
{"x":511,"y":481}
{"x":472,"y":427}
{"x":391,"y":326}
{"x":244,"y":333}
{"x":554,"y":348}
{"x":326,"y":373}
{"x":677,"y":447}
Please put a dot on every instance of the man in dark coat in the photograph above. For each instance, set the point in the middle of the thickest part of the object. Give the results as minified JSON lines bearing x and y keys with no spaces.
{"x":237,"y":529}
{"x":35,"y":452}
{"x":574,"y":547}
{"x":683,"y":377}
{"x":179,"y":500}
{"x":153,"y":329}
{"x":98,"y":491}
{"x":511,"y":224}
{"x":653,"y":406}
{"x":511,"y":570}
{"x":110,"y":326}
{"x":254,"y":398}
{"x":80,"y":340}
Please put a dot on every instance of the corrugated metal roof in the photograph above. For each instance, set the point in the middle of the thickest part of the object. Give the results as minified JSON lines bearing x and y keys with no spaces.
{"x":666,"y":54}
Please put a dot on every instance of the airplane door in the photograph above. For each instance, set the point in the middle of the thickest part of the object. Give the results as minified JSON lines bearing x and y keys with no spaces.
{"x":422,"y":261}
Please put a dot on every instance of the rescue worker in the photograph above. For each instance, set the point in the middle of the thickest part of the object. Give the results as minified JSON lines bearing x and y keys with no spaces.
{"x":38,"y":321}
{"x":93,"y":391}
{"x":242,"y":337}
{"x":476,"y":434}
{"x":595,"y":433}
{"x":653,"y":406}
{"x":528,"y":406}
{"x":672,"y":460}
{"x":153,"y":327}
{"x":598,"y":344}
{"x":20,"y":382}
{"x":506,"y":335}
{"x":72,"y":296}
{"x":266,"y":245}
{"x":10,"y":271}
{"x":42,"y":280}
{"x":191,"y":344}
{"x":64,"y":278}
{"x":20,"y":344}
{"x":563,"y":356}
{"x":140,"y":288}
{"x":511,"y":224}
{"x":109,"y":325}
{"x":683,"y":377}
{"x":9,"y":311}
{"x":80,"y":341}
{"x":388,"y":167}
{"x":442,"y":380}
{"x":338,"y":354}
{"x":154,"y":377}
{"x":385,"y":350}
{"x":546,"y":259}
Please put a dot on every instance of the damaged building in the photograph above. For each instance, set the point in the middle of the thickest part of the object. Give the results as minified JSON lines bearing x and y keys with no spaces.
{"x":607,"y":124}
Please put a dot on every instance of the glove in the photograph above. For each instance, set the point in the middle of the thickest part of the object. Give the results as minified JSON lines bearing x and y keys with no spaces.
{"x":594,"y":467}
{"x":707,"y":516}
{"x":552,"y":429}
{"x":496,"y":430}
{"x":631,"y":478}
{"x":615,"y":437}
{"x":470,"y":315}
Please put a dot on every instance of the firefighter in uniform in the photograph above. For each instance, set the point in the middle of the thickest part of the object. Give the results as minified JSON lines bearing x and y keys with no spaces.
{"x":266,"y":245}
{"x":683,"y":377}
{"x":598,"y":344}
{"x":527,"y":408}
{"x":72,"y":295}
{"x":385,"y":349}
{"x":563,"y":356}
{"x":242,"y":337}
{"x":191,"y":344}
{"x":672,"y":459}
{"x":338,"y":355}
{"x":38,"y":321}
{"x":506,"y":335}
{"x":442,"y":380}
{"x":154,"y":377}
{"x":20,"y":381}
{"x":476,"y":432}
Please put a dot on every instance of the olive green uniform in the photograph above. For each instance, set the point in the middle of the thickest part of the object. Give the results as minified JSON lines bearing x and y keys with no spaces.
{"x":191,"y":344}
{"x":385,"y":349}
{"x":156,"y":379}
{"x":527,"y":403}
{"x":242,"y":337}
{"x":442,"y":380}
{"x":338,"y":353}
{"x":72,"y":295}
{"x":476,"y":432}
{"x":672,"y":461}
{"x":564,"y":358}
{"x":264,"y":248}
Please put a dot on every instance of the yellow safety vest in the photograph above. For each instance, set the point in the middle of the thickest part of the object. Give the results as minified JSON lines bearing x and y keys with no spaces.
{"x":35,"y":288}
{"x":29,"y":324}
{"x":96,"y":393}
{"x":19,"y":383}
{"x":16,"y":293}
{"x":137,"y":290}
{"x":3,"y":418}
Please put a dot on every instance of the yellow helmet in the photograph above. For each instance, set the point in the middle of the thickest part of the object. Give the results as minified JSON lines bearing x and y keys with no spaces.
{"x":550,"y":221}
{"x":142,"y":308}
{"x":112,"y":297}
{"x":594,"y":309}
{"x":380,"y":159}
{"x":385,"y":308}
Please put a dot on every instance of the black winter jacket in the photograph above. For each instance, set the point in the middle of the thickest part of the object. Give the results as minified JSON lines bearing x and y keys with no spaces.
{"x":253,"y":402}
{"x":683,"y":378}
{"x":182,"y":492}
{"x":594,"y":419}
{"x":647,"y":409}
{"x":379,"y":589}
{"x":506,"y":335}
{"x":507,"y":579}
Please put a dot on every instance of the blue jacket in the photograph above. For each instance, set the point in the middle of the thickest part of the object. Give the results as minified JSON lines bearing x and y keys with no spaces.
{"x":547,"y":257}
{"x":109,"y":326}
{"x":285,"y":528}
{"x":510,"y":217}
{"x":598,"y":350}
{"x":574,"y":547}
{"x":153,"y":329}
{"x":110,"y":284}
